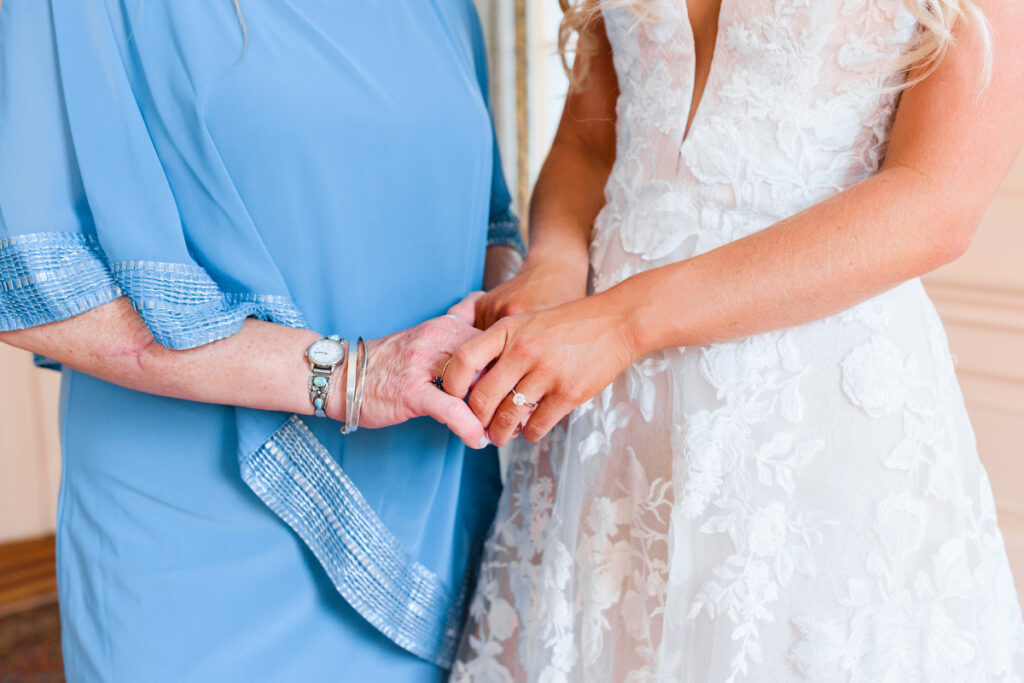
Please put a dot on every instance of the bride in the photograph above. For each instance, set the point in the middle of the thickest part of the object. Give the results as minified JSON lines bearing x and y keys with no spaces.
{"x":768,"y":472}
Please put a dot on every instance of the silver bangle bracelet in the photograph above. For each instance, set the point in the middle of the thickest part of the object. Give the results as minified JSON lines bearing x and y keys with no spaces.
{"x":350,"y":391}
{"x":364,"y":354}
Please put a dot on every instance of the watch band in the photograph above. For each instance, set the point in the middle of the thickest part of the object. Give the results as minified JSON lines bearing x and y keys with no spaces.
{"x":320,"y":380}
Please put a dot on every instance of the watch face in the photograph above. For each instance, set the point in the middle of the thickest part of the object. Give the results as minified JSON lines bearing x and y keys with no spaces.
{"x":325,"y":352}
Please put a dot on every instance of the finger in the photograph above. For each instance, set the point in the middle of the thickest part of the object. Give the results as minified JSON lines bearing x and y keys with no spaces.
{"x":453,"y":413}
{"x":494,"y":388}
{"x":465,"y":310}
{"x":445,"y":350}
{"x":471,"y":358}
{"x":509,"y":418}
{"x":495,"y":312}
{"x":445,"y":334}
{"x":483,"y":306}
{"x":487,"y":308}
{"x":463,"y":334}
{"x":548,"y":414}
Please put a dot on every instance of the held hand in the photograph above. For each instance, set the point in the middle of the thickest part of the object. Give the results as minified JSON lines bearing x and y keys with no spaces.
{"x":556,"y":358}
{"x":540,"y":284}
{"x":400,"y":372}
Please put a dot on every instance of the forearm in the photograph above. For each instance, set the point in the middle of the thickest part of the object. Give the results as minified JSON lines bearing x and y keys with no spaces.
{"x":570,"y":189}
{"x":849,"y":248}
{"x":556,"y":266}
{"x":566,"y":199}
{"x":262,"y":366}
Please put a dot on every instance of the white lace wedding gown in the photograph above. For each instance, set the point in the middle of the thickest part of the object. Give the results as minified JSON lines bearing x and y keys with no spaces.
{"x":803,"y":504}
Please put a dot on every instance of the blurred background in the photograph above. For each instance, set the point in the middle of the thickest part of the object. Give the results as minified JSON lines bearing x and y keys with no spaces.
{"x":980,"y":299}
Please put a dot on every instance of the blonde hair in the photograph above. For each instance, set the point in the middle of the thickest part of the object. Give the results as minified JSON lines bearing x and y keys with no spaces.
{"x":241,"y":23}
{"x":936,"y":19}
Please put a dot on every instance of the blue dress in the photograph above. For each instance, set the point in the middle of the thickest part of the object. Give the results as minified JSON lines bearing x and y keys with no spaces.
{"x":332,"y":167}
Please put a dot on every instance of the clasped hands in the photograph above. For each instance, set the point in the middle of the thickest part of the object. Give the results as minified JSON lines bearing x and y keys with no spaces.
{"x":555,"y":358}
{"x":536,"y":334}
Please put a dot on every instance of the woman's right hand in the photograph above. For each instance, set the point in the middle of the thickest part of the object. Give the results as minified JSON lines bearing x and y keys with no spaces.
{"x":542,"y":282}
{"x":399,"y":376}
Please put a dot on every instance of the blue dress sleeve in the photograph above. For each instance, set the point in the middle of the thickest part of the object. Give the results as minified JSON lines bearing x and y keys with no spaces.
{"x":51,"y":264}
{"x":503,"y":228}
{"x":87,"y":213}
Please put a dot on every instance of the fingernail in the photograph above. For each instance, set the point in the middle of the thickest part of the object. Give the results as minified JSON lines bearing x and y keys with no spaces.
{"x":484,"y":442}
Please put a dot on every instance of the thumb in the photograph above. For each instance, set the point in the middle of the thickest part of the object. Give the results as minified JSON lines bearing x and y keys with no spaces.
{"x":455,"y":414}
{"x":465,"y":310}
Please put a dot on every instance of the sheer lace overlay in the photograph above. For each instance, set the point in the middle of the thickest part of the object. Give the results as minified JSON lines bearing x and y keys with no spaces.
{"x":806,"y":504}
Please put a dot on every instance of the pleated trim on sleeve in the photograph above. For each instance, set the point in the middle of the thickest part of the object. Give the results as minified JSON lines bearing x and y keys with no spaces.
{"x":46,"y":277}
{"x":50,"y":276}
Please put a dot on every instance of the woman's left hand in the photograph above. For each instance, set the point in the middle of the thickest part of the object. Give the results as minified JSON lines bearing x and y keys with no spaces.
{"x":557,"y":358}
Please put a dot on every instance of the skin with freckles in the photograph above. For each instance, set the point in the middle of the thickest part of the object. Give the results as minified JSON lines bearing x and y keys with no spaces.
{"x":264,"y":365}
{"x":404,"y":365}
{"x":952,"y":142}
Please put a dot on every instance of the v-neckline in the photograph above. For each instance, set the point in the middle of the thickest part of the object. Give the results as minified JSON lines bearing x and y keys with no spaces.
{"x":696,"y":103}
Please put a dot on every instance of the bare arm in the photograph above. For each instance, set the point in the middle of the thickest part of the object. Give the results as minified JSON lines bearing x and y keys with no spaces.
{"x":112,"y":343}
{"x":567,"y":197}
{"x":262,"y":366}
{"x":950,"y":149}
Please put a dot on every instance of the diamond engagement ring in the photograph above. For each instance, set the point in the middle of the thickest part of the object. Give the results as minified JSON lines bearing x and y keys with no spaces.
{"x":521,"y":400}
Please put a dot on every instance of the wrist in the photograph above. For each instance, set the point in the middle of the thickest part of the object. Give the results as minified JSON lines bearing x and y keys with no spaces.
{"x":615,"y":305}
{"x":568,"y":264}
{"x":639,"y":316}
{"x":563,"y":253}
{"x":326,"y":360}
{"x":567,"y":259}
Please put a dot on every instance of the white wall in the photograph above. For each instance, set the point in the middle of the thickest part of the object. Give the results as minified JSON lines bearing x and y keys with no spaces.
{"x":29,"y":446}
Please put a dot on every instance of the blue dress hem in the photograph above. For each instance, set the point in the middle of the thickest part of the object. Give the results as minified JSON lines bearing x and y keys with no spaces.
{"x":297,"y":478}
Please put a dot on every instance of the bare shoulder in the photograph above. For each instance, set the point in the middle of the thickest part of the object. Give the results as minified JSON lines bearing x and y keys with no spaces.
{"x":958,"y":130}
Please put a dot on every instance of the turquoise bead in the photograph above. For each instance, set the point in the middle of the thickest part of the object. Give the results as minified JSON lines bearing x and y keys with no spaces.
{"x":319,"y":381}
{"x":319,"y":403}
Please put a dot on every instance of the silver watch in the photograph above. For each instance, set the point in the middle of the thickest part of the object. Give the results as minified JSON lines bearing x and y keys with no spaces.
{"x":324,"y":356}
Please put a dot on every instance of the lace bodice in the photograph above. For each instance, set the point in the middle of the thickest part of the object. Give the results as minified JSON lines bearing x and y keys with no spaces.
{"x":797,"y":107}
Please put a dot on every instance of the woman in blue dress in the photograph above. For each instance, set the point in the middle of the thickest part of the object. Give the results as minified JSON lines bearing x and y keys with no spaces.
{"x":191,"y":194}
